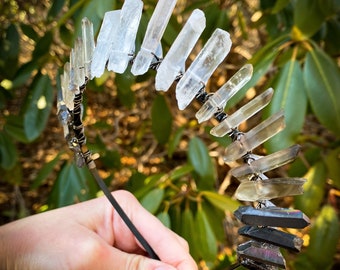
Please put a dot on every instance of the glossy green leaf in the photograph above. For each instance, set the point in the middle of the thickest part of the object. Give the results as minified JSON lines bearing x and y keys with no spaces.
{"x":222,"y":202}
{"x":215,"y":218}
{"x":42,"y":46}
{"x":206,"y":237}
{"x":8,"y":152}
{"x":24,"y":73}
{"x":180,"y":171}
{"x":189,"y":232}
{"x":174,"y":141}
{"x":72,"y":185}
{"x":324,"y":237}
{"x":307,"y":16}
{"x":322,"y":80}
{"x":153,"y":199}
{"x":289,"y":96}
{"x":15,"y":128}
{"x":175,"y":213}
{"x":39,"y":107}
{"x":200,"y":159}
{"x":332,"y":161}
{"x":29,"y":31}
{"x":164,"y":218}
{"x":45,"y":171}
{"x":161,"y":119}
{"x":9,"y":51}
{"x":124,"y":83}
{"x":148,"y":184}
{"x":55,"y":9}
{"x":279,"y":5}
{"x":314,"y":190}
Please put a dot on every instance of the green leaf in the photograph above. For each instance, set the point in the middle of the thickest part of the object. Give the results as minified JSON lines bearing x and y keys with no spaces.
{"x":289,"y":96}
{"x":55,"y":9}
{"x":44,"y":172}
{"x":8,"y":152}
{"x":39,"y":107}
{"x":161,"y":120}
{"x":24,"y":73}
{"x":324,"y":237}
{"x":206,"y":236}
{"x":148,"y":184}
{"x":220,"y":201}
{"x":15,"y":128}
{"x":280,"y":5}
{"x":189,"y":232}
{"x":175,"y":213}
{"x":164,"y":218}
{"x":307,"y":16}
{"x":153,"y":199}
{"x":200,"y":159}
{"x":29,"y":31}
{"x":180,"y":171}
{"x":174,"y":141}
{"x":72,"y":185}
{"x":314,"y":190}
{"x":124,"y":83}
{"x":42,"y":46}
{"x":332,"y":161}
{"x":322,"y":79}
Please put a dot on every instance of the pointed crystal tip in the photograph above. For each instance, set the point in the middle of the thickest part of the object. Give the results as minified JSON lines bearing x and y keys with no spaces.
{"x":142,"y":62}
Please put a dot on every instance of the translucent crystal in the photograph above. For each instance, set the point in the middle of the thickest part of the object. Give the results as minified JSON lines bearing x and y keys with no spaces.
{"x":174,"y":61}
{"x":261,"y":252}
{"x":212,"y":54}
{"x":79,"y":62}
{"x":124,"y":43}
{"x":153,"y":35}
{"x":268,"y":189}
{"x":272,"y":216}
{"x":255,"y":137}
{"x":272,"y":236}
{"x":68,"y":95}
{"x":105,"y":40}
{"x":88,"y":40}
{"x":266,"y":163}
{"x":219,"y":99}
{"x":242,"y":114}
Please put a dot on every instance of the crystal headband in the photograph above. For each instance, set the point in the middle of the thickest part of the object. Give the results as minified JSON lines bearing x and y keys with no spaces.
{"x":115,"y":51}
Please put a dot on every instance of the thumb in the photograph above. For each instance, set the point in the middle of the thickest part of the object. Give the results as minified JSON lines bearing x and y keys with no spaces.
{"x":138,"y":262}
{"x":126,"y":261}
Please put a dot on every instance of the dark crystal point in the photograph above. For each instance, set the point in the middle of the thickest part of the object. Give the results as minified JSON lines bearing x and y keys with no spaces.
{"x":272,"y":216}
{"x":261,"y":252}
{"x":253,"y":265}
{"x":272,"y":236}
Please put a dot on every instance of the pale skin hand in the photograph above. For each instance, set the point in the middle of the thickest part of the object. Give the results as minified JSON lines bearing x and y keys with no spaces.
{"x":91,"y":235}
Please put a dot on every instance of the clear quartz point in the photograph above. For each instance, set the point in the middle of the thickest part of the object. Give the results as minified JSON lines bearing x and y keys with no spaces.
{"x":266,"y":163}
{"x":124,"y":43}
{"x":79,"y":62}
{"x":67,"y":94}
{"x":153,"y":35}
{"x":105,"y":40}
{"x":261,"y":252}
{"x":268,"y":189}
{"x":256,"y":136}
{"x":242,"y":114}
{"x":272,"y":236}
{"x":272,"y":216}
{"x":175,"y":59}
{"x":219,"y":99}
{"x":88,"y":40}
{"x":197,"y":75}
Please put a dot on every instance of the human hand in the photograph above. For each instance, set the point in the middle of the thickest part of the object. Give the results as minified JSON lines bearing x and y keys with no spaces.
{"x":91,"y":235}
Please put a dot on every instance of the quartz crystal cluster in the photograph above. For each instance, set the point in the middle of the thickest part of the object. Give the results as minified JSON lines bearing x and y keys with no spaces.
{"x":115,"y":50}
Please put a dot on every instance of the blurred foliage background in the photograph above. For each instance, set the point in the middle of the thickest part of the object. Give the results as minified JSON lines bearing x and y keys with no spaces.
{"x":144,"y":144}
